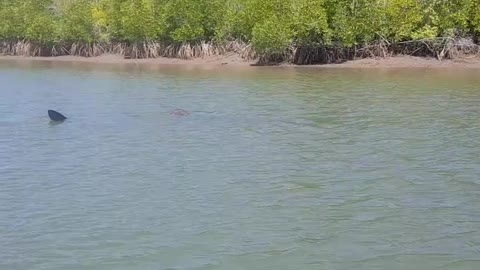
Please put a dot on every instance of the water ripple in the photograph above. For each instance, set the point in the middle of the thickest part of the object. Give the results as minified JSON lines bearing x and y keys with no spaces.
{"x":271,"y":170}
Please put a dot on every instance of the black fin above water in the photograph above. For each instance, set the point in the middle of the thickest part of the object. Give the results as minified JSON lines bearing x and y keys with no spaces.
{"x":56,"y":116}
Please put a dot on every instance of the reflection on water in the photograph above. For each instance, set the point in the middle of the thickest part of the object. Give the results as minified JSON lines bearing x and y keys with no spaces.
{"x":273,"y":168}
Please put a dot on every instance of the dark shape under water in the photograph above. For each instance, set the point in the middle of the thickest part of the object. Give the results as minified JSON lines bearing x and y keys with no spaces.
{"x":56,"y":116}
{"x":179,"y":112}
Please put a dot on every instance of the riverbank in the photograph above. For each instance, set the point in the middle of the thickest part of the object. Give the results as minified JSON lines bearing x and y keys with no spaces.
{"x":233,"y":60}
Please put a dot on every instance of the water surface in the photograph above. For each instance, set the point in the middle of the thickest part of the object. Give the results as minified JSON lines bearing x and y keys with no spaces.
{"x":273,"y":169}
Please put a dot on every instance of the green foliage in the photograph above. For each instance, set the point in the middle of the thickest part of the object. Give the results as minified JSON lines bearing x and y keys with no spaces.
{"x":243,"y":15}
{"x":77,"y":22}
{"x":41,"y":24}
{"x":448,"y":18}
{"x":190,"y":20}
{"x":100,"y":21}
{"x":9,"y":22}
{"x":475,"y":16}
{"x":137,"y":19}
{"x":185,"y":20}
{"x":356,"y":22}
{"x":27,"y":19}
{"x":42,"y":29}
{"x":426,"y":32}
{"x":272,"y":36}
{"x":453,"y":16}
{"x":271,"y":25}
{"x":310,"y":22}
{"x":402,"y":19}
{"x":342,"y":24}
{"x":232,"y":24}
{"x":113,"y":13}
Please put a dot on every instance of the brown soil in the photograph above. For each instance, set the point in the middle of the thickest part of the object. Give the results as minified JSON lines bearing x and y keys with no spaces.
{"x":235,"y":61}
{"x":410,"y":62}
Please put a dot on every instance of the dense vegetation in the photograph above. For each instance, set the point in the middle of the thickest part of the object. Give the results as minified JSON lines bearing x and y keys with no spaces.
{"x":300,"y":31}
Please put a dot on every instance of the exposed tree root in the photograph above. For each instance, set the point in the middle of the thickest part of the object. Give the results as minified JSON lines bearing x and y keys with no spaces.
{"x":440,"y":48}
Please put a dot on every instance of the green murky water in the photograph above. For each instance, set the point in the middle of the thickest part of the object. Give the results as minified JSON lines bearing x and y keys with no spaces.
{"x":272,"y":169}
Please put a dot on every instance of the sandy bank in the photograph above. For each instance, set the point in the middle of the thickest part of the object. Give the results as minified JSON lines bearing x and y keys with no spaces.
{"x":231,"y":60}
{"x":235,"y":61}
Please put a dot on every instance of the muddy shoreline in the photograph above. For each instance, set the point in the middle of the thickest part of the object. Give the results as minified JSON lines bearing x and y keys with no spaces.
{"x":233,"y":60}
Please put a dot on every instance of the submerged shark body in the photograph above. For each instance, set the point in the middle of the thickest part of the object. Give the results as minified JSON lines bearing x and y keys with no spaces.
{"x":179,"y":112}
{"x":56,"y":116}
